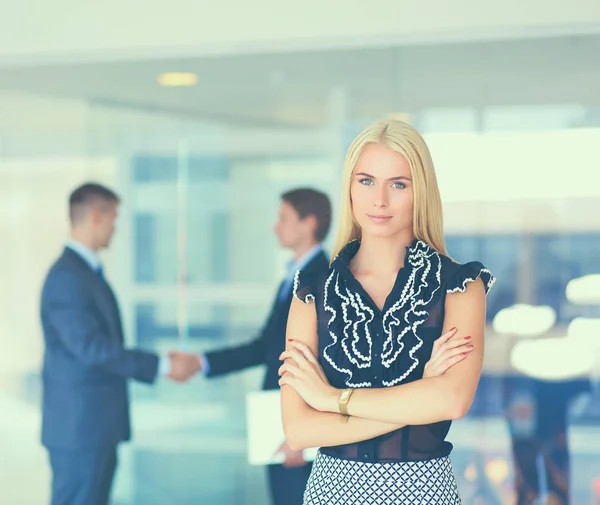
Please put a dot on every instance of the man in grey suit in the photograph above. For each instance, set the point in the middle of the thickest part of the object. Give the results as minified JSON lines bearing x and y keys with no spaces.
{"x":85,"y":408}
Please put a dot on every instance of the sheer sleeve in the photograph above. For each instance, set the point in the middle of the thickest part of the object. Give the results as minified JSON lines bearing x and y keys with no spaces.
{"x":304,"y":287}
{"x":470,"y":272}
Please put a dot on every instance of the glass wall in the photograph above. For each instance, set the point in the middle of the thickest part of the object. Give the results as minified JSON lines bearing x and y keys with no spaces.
{"x":204,"y":268}
{"x":195,"y":264}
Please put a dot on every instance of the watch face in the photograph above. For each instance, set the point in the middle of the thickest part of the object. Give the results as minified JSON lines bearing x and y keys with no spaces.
{"x":344,"y":395}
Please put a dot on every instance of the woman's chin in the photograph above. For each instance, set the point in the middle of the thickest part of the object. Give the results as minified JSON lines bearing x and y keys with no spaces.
{"x":379,"y":231}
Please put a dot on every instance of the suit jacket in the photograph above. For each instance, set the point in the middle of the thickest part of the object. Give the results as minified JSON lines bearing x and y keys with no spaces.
{"x":85,"y":400}
{"x":270,"y":343}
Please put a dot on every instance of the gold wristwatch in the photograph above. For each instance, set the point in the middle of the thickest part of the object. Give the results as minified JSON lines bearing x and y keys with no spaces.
{"x":343,"y":400}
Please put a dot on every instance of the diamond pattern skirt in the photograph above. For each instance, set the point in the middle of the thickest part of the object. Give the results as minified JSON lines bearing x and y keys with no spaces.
{"x":336,"y":481}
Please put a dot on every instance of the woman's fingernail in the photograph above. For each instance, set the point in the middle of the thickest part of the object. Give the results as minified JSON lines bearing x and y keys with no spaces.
{"x":469,"y":347}
{"x":463,"y":353}
{"x":468,"y":337}
{"x":290,"y":339}
{"x":452,"y":329}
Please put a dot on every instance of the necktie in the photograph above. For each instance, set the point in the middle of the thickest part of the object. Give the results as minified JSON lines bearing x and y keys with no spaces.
{"x":100,"y":271}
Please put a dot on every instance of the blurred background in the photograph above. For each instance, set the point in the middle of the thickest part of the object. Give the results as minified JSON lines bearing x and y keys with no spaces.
{"x":200,"y":114}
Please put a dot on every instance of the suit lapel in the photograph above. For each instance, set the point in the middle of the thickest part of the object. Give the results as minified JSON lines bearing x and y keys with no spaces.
{"x":112,"y":305}
{"x":102,"y":292}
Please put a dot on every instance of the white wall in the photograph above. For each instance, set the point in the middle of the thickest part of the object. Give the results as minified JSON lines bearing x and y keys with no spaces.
{"x":42,"y":31}
{"x":34,"y":226}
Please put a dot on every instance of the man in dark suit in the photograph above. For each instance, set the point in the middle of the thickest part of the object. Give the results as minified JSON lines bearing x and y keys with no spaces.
{"x":85,"y":408}
{"x":304,"y":220}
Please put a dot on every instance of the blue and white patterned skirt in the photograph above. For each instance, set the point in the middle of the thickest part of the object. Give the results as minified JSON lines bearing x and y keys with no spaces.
{"x":336,"y":481}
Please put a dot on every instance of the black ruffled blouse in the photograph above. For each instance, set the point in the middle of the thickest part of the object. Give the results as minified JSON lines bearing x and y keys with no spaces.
{"x":361,"y":346}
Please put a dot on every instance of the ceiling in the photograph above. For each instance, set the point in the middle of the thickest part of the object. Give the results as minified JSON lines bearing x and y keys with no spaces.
{"x":295,"y":89}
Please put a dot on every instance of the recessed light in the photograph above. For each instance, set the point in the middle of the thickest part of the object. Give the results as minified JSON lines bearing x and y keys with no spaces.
{"x":177,"y":79}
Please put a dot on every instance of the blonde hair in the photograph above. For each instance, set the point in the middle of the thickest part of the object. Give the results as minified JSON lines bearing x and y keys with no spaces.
{"x":427,"y":210}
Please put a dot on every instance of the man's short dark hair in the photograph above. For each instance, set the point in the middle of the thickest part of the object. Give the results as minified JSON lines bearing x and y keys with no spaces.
{"x":86,"y":195}
{"x":306,"y":202}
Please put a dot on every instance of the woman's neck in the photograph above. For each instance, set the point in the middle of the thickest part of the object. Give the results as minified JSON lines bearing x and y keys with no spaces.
{"x":381,"y":255}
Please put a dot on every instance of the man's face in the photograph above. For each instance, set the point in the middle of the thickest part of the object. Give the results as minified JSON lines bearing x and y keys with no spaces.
{"x":104,"y":216}
{"x":291,"y":229}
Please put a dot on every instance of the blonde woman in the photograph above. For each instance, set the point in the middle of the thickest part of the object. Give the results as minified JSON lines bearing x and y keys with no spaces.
{"x":386,"y":349}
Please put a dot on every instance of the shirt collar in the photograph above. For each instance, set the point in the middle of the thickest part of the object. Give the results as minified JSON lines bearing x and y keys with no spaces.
{"x":87,"y":254}
{"x":343,"y":259}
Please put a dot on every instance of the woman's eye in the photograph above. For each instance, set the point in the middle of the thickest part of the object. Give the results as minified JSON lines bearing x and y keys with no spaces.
{"x":366,"y":182}
{"x":398,"y":185}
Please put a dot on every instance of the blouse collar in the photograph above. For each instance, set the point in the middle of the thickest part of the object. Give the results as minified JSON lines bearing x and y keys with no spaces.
{"x":415,"y":257}
{"x":343,"y":259}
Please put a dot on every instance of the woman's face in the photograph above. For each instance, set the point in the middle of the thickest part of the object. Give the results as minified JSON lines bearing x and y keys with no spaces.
{"x":382,"y":192}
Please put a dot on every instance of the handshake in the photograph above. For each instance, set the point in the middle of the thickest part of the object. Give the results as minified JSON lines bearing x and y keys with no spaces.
{"x":184,"y":365}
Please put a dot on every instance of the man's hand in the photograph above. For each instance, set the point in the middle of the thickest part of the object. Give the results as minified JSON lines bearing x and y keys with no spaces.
{"x":291,"y":459}
{"x":183,"y":365}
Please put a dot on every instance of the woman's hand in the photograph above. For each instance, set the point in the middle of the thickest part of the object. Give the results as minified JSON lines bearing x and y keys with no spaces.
{"x":447,"y":351}
{"x":302,"y":371}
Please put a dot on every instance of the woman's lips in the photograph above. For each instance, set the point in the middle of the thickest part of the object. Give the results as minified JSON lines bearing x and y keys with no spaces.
{"x":379,"y":219}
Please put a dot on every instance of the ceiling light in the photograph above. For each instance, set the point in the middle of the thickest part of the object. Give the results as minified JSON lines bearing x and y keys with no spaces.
{"x":525,"y":320}
{"x":178,"y":79}
{"x":585,"y":329}
{"x":560,"y":358}
{"x":584,"y":290}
